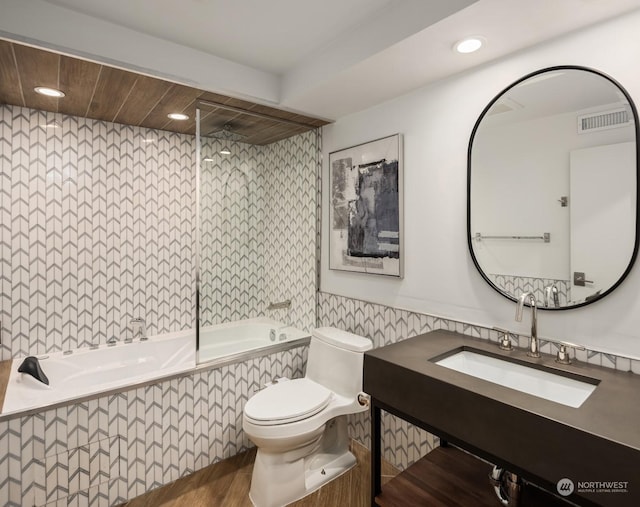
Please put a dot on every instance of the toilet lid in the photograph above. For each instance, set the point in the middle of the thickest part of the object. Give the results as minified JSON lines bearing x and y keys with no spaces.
{"x":287,"y":401}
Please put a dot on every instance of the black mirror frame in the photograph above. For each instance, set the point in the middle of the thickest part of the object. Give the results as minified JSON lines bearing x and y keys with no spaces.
{"x":637,"y":134}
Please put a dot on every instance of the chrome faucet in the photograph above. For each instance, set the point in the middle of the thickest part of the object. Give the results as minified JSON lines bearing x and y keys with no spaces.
{"x":534,"y":350}
{"x":551,"y":295}
{"x":139,"y":326}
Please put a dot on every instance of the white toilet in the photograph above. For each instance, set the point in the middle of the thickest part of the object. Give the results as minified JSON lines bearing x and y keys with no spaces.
{"x":300,"y":425}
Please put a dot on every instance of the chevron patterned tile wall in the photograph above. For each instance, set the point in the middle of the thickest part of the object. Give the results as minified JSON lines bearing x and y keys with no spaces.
{"x":403,"y":444}
{"x":291,"y":169}
{"x":258,"y":211}
{"x":232,"y":187}
{"x":95,"y":228}
{"x":104,"y":451}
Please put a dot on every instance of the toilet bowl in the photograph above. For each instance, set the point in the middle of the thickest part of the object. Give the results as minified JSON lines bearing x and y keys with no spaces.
{"x":300,"y":426}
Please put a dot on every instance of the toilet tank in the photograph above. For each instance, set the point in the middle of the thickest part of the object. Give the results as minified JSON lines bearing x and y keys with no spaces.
{"x":335,"y":360}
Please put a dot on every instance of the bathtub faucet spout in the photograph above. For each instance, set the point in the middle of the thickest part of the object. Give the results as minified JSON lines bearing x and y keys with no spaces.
{"x":139,"y":328}
{"x":282,"y":305}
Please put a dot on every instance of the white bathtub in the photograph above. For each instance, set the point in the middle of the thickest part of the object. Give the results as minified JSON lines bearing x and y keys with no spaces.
{"x":85,"y":372}
{"x":232,"y":338}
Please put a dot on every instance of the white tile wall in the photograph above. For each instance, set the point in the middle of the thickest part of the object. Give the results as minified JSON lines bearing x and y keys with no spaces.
{"x":259,"y":230}
{"x":107,"y":450}
{"x":232,"y":231}
{"x":96,"y":228}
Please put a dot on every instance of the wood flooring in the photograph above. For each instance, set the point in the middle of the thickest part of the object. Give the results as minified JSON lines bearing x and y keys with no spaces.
{"x":446,"y":477}
{"x":5,"y":371}
{"x":226,"y":484}
{"x":449,"y":477}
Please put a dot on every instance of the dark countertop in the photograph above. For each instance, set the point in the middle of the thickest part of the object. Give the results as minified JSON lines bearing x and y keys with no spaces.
{"x":543,"y":440}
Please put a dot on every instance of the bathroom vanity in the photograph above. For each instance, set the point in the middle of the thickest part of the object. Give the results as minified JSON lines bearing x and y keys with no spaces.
{"x":542,"y":441}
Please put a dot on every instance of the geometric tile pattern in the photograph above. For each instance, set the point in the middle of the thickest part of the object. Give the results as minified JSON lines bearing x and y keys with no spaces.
{"x":518,"y":285}
{"x":108,"y":450}
{"x":232,"y":246}
{"x":291,"y":171}
{"x":403,"y":444}
{"x":96,"y":228}
{"x":81,"y":468}
{"x":258,"y":209}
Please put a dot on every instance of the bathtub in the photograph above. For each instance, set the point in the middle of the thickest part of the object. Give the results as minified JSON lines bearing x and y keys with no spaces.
{"x":85,"y":372}
{"x":232,"y":339}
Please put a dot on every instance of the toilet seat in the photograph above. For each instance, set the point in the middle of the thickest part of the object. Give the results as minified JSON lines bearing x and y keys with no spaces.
{"x":287,"y":402}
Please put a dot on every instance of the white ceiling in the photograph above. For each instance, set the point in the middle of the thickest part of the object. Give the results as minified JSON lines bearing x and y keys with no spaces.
{"x":326,"y":58}
{"x":554,"y":93}
{"x":271,"y":35}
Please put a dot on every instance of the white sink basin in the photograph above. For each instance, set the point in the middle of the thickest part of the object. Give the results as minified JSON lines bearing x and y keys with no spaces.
{"x":533,"y":381}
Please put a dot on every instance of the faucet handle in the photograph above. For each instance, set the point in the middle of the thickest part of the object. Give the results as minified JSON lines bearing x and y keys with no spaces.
{"x":141,"y":326}
{"x":569,"y":344}
{"x":563,"y":357}
{"x":505,"y":342}
{"x":562,"y":343}
{"x":551,"y":296}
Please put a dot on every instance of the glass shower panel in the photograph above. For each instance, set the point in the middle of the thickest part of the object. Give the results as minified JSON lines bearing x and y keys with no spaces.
{"x":256,"y":238}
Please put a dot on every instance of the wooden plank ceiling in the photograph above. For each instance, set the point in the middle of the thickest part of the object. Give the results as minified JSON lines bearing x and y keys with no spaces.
{"x":110,"y":94}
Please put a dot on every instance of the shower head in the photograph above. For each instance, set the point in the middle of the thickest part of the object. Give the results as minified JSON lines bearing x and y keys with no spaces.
{"x":226,"y":134}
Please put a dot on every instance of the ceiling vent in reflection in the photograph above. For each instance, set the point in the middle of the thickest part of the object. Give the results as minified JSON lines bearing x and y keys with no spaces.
{"x":603,"y":120}
{"x":504,"y":105}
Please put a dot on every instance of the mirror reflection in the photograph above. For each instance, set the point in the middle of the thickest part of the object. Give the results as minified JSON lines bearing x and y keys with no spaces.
{"x":553,"y":188}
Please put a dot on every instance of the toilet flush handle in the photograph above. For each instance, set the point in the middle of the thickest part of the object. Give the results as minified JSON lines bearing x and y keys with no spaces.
{"x":277,"y":380}
{"x":363,"y":399}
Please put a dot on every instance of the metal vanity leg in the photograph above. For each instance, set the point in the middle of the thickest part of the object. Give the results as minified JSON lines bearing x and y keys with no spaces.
{"x":375,"y":452}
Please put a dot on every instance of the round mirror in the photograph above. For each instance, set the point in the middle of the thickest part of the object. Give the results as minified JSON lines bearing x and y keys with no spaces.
{"x":552,"y":188}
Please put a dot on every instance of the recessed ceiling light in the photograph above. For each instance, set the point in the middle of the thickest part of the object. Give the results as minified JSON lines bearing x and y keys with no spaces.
{"x":469,"y":45}
{"x":207,"y":159}
{"x":178,"y":116}
{"x":225,"y":151}
{"x":49,"y":92}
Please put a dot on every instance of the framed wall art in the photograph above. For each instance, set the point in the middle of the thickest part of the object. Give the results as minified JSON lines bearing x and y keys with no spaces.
{"x":366,"y":211}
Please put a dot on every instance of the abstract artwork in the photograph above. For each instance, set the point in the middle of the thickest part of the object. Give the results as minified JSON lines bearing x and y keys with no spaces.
{"x":365,"y":212}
